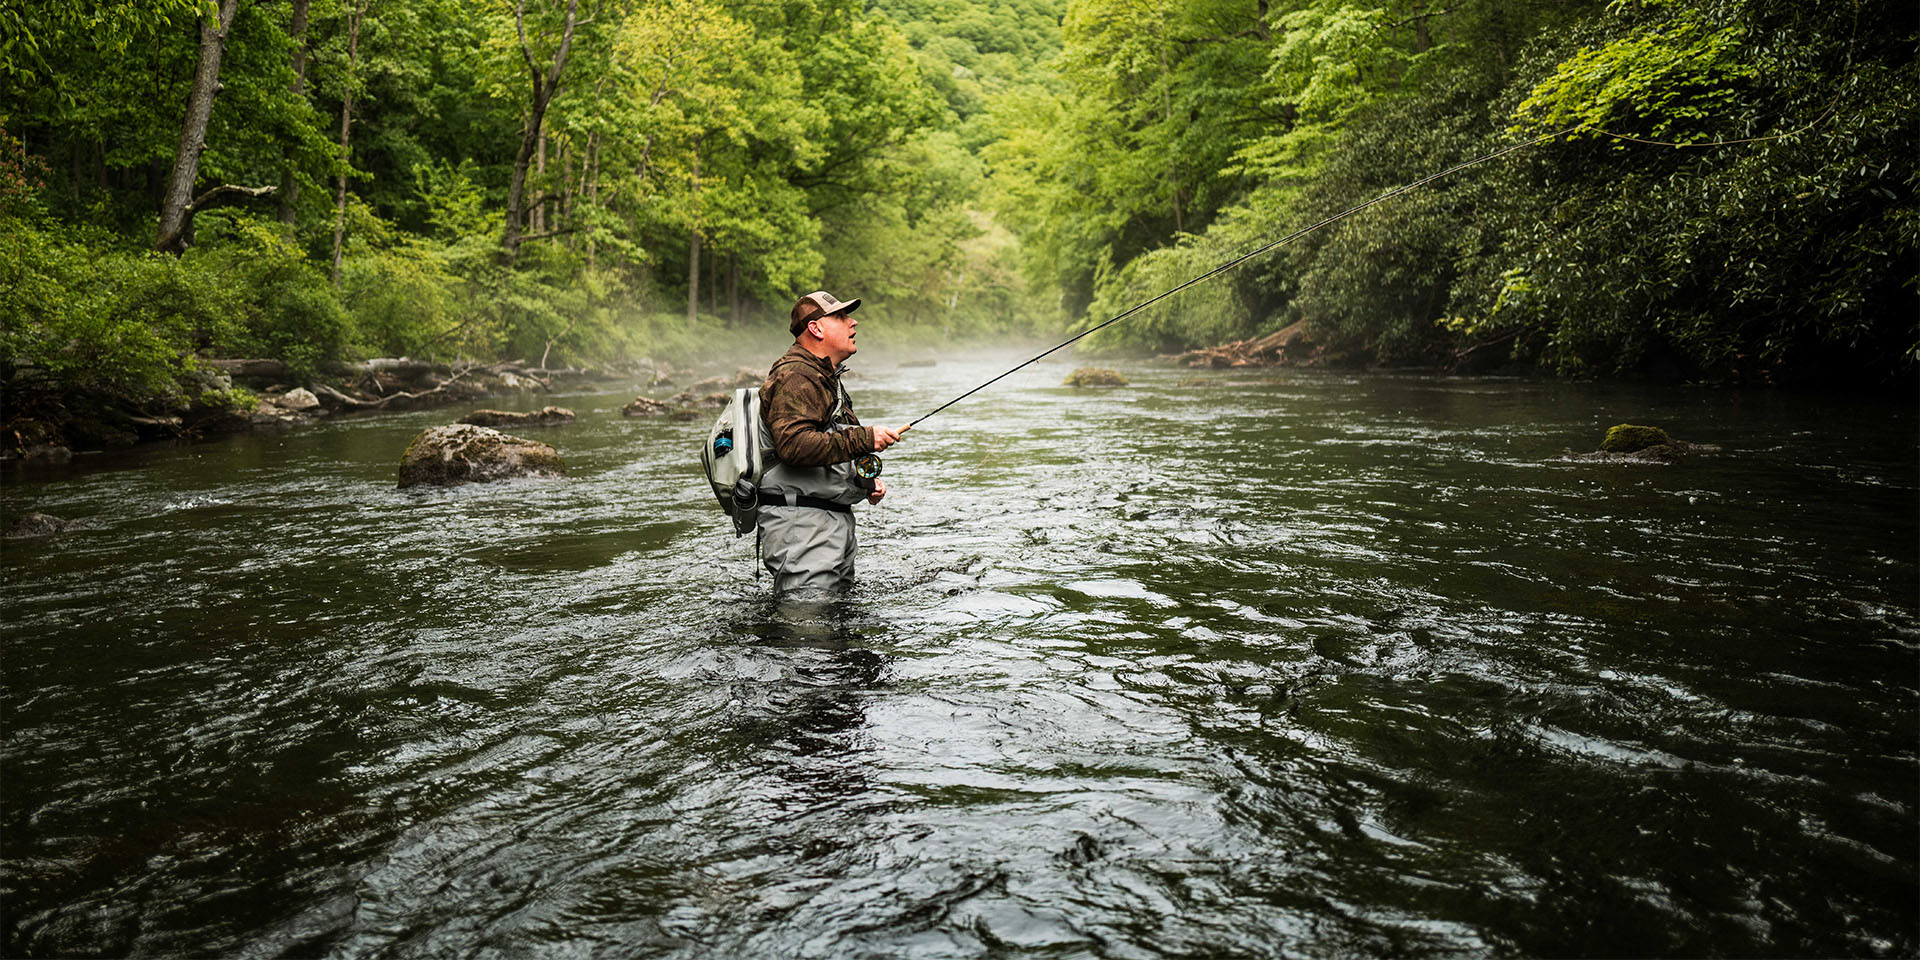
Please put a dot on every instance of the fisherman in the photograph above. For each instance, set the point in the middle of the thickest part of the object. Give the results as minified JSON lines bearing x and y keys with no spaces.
{"x":806,"y":498}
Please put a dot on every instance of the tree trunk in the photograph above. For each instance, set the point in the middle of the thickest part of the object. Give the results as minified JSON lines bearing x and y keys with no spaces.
{"x":564,"y":215}
{"x":733,"y":290}
{"x":544,"y":86}
{"x":346,"y":132}
{"x":538,"y":215}
{"x":693,"y":247}
{"x":290,"y":185}
{"x":1173,"y":162}
{"x":693,"y":275}
{"x":175,"y":215}
{"x":593,"y":184}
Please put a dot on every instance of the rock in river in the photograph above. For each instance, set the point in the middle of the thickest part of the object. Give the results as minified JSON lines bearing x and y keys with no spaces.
{"x":463,"y":453}
{"x":1095,"y":377}
{"x":645,"y":407}
{"x":1633,"y":443}
{"x":43,"y":525}
{"x":543,"y":417}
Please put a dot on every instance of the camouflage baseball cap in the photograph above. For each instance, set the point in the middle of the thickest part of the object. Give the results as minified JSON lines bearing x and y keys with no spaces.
{"x":816,"y":305}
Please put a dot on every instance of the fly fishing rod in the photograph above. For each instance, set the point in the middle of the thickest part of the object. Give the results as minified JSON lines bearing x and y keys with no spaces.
{"x":1243,"y":258}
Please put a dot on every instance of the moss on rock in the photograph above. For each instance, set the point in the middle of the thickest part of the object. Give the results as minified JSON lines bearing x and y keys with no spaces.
{"x":1095,"y":377}
{"x":461,"y":453}
{"x":1628,"y":438}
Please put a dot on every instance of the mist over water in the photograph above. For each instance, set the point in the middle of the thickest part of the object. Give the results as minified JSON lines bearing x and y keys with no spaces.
{"x":1271,"y":664}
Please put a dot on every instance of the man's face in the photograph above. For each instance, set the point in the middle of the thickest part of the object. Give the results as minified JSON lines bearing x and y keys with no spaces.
{"x":836,"y":335}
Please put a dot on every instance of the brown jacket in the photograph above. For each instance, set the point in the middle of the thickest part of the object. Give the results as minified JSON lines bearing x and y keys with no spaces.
{"x":796,"y":400}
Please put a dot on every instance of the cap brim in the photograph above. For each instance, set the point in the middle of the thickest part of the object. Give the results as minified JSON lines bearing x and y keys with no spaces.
{"x":850,"y":306}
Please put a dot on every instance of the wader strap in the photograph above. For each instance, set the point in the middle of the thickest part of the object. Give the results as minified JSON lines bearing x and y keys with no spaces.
{"x":769,"y":499}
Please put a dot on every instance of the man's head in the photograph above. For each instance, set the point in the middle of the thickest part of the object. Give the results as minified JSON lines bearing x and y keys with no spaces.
{"x":824,"y":325}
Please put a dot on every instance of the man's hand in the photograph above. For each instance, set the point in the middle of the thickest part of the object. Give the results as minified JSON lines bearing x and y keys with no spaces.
{"x":884,"y":438}
{"x":879,"y":490}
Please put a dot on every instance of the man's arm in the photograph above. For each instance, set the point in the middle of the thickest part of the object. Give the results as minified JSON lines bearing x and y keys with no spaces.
{"x":797,"y":413}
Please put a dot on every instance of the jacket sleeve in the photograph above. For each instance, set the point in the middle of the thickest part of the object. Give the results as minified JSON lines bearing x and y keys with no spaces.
{"x":796,"y":408}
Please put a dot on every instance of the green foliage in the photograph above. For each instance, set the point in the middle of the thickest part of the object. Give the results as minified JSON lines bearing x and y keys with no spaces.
{"x":286,"y":308}
{"x":85,"y":316}
{"x":1666,"y":74}
{"x":974,"y":167}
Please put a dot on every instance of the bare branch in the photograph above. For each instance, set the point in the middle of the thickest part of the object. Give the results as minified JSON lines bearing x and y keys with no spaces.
{"x":201,"y":200}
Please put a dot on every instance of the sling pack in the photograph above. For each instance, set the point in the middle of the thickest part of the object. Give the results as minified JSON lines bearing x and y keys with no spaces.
{"x":739,"y":453}
{"x":736,"y":456}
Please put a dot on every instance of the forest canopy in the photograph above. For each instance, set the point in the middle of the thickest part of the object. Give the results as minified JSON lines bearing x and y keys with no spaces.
{"x":1729,"y":196}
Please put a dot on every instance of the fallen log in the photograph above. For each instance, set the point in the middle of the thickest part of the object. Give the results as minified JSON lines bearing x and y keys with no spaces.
{"x":345,"y":402}
{"x":257,"y":368}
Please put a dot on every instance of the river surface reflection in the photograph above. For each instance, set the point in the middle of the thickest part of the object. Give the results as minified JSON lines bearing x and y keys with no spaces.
{"x":1249,"y":664}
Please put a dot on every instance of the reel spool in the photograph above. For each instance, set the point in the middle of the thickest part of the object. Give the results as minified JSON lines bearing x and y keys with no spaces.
{"x":867,"y":467}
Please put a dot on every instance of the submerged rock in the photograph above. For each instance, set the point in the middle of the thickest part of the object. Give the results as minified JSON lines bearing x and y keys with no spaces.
{"x":645,"y":407}
{"x":43,"y":525}
{"x":1095,"y":377}
{"x":464,"y":453}
{"x":543,"y":417}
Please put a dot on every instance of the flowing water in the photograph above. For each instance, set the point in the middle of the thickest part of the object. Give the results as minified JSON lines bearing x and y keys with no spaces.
{"x":1271,"y":664}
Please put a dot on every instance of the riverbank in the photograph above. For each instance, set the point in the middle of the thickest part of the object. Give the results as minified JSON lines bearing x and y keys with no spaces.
{"x":227,"y":396}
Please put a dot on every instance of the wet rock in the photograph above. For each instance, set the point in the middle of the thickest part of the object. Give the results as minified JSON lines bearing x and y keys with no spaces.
{"x":543,"y":417}
{"x":32,"y":439}
{"x":299,"y":400}
{"x":46,"y":453}
{"x":742,"y":377}
{"x":645,"y":407}
{"x":694,"y":400}
{"x":1095,"y":377}
{"x":267,"y":413}
{"x":1628,"y":438}
{"x":1638,"y":444}
{"x":464,"y":453}
{"x":43,"y":525}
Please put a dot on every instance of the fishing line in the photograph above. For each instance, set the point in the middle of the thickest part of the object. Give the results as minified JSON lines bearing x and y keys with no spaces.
{"x":1852,"y":41}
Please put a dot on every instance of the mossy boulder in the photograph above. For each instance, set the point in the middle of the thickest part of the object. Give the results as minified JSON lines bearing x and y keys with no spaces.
{"x":1635,"y":444}
{"x":1095,"y":377}
{"x":543,"y":417}
{"x":1628,"y":438}
{"x":463,"y":453}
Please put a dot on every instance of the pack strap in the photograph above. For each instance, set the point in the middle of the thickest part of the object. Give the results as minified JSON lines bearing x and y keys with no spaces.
{"x":768,"y":499}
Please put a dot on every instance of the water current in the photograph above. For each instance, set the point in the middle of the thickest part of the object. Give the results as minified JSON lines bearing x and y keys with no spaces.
{"x":1259,"y":664}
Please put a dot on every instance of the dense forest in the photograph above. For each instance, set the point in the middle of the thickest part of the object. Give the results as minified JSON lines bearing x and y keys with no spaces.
{"x":1727,"y":192}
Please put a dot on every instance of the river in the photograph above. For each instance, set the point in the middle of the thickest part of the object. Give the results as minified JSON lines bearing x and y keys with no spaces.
{"x":1261,"y":664}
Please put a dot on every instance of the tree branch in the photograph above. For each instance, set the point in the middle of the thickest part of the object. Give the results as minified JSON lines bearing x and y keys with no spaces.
{"x":197,"y":202}
{"x":520,"y":25}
